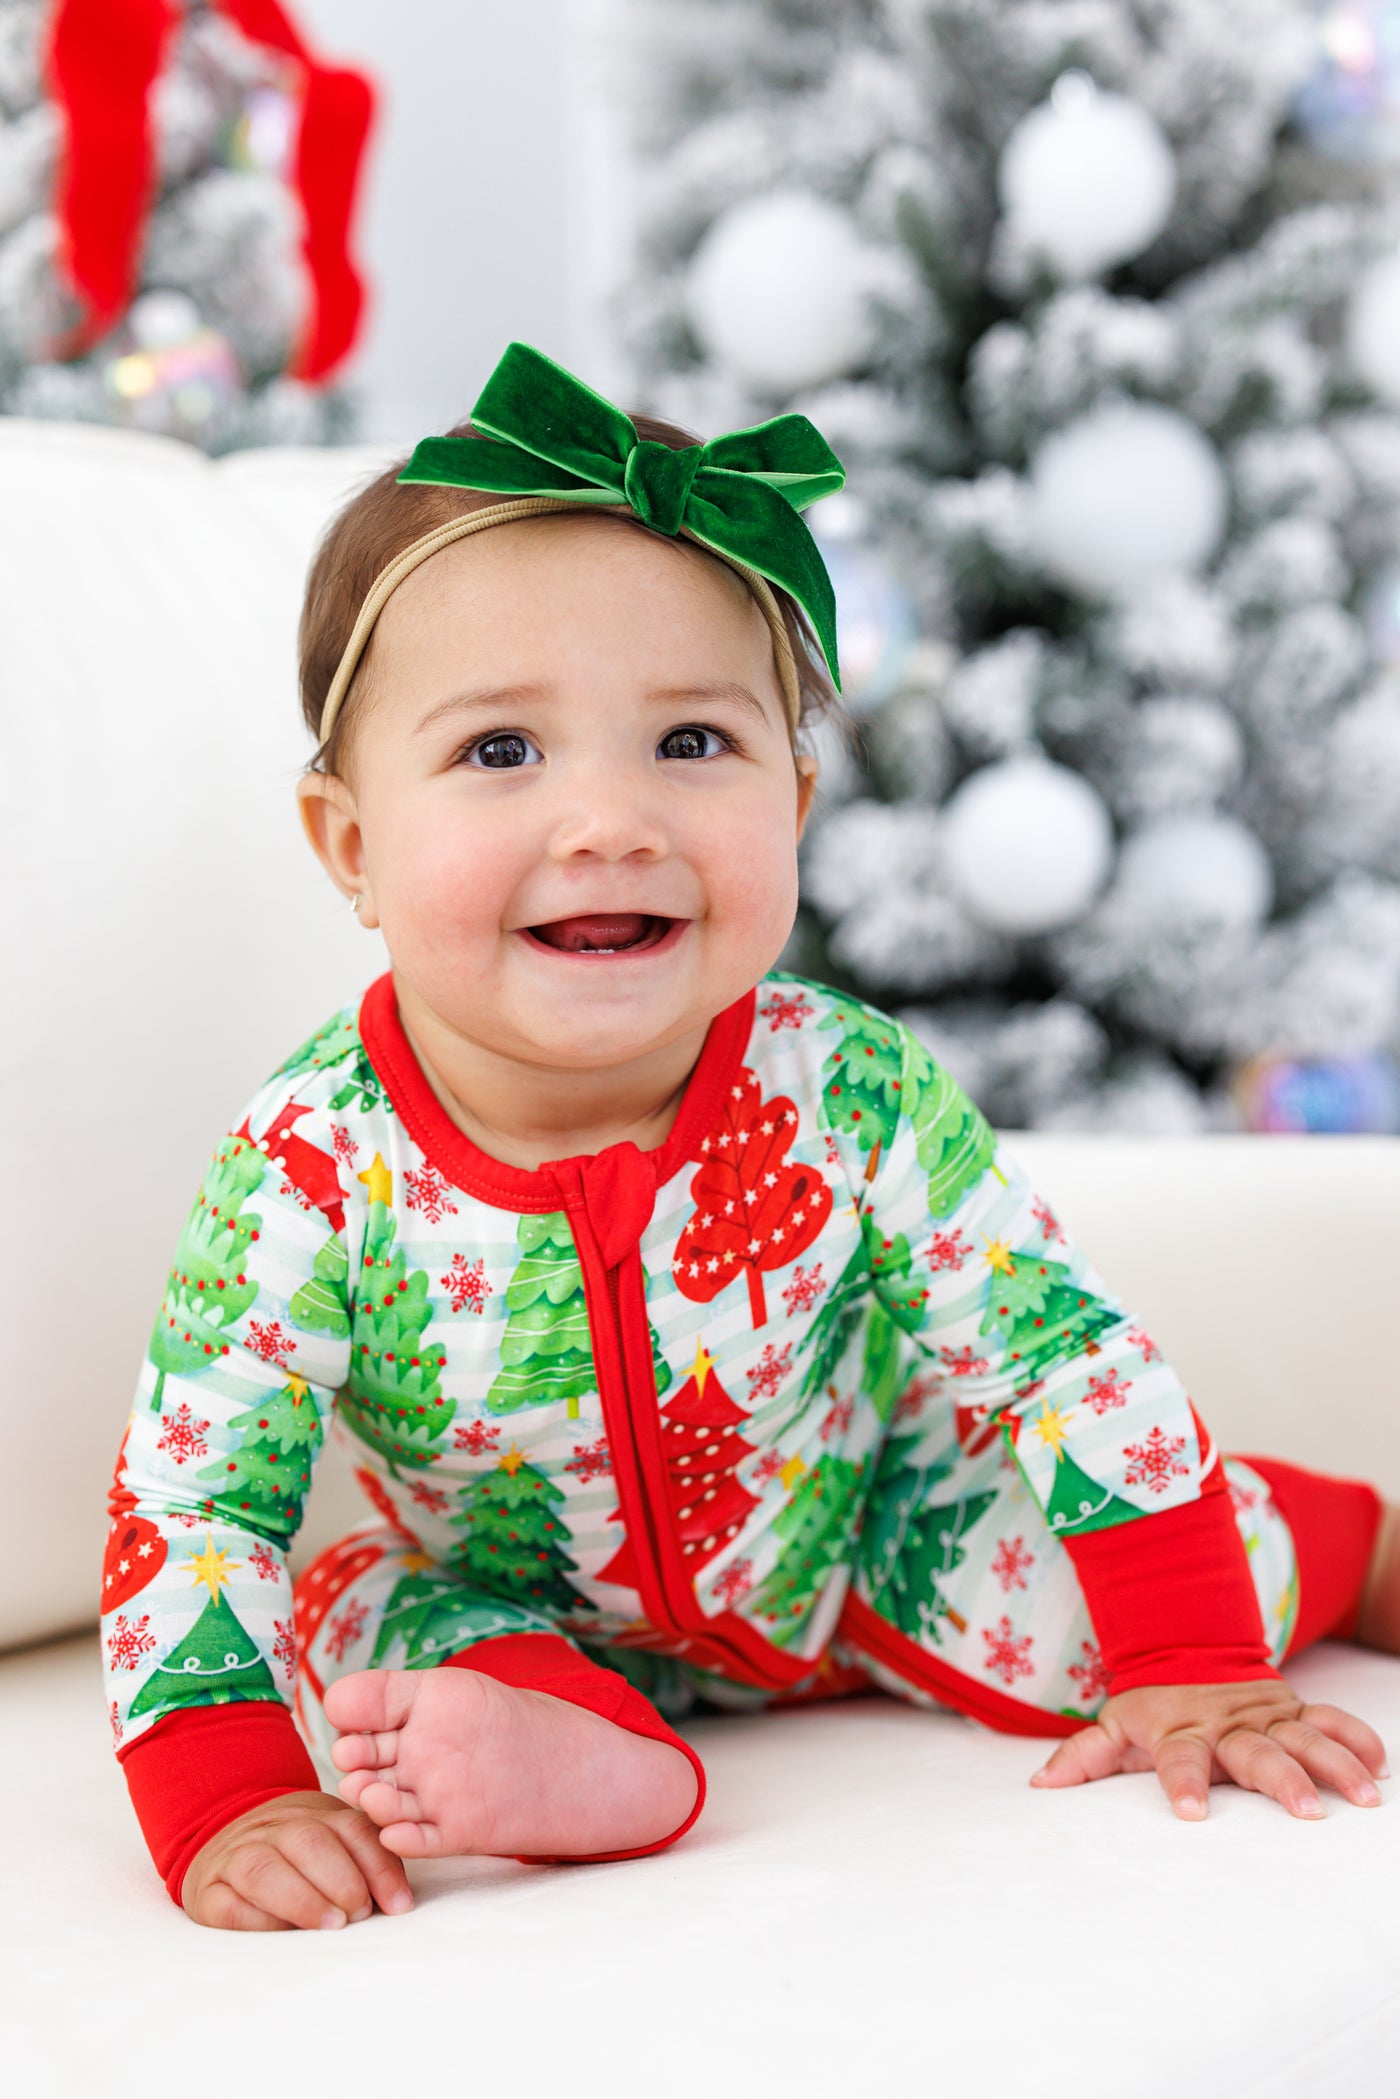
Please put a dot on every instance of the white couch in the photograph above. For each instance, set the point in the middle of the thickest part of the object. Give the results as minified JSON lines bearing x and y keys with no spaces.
{"x":874,"y":1899}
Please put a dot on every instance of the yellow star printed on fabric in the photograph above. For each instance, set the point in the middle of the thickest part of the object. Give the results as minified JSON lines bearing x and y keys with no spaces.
{"x":209,"y":1566}
{"x":511,"y":1461}
{"x":792,"y":1473}
{"x":379,"y":1181}
{"x":416,"y":1562}
{"x":998,"y":1256}
{"x":298,"y":1387}
{"x":1052,"y":1426}
{"x":704,"y":1364}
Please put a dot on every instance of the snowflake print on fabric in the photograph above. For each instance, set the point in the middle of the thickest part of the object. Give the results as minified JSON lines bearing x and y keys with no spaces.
{"x":1153,"y":1464}
{"x":114,"y":1715}
{"x":1090,"y":1674}
{"x":962,"y":1362}
{"x":1244,"y":1498}
{"x":1107,"y":1392}
{"x":837,"y":1419}
{"x":430,"y":1498}
{"x":466,"y":1284}
{"x":773,"y":1367}
{"x":1007,"y":1656}
{"x":128,"y":1642}
{"x":343,"y":1144}
{"x":264,"y":1561}
{"x":590,"y":1460}
{"x":754,"y":1211}
{"x":298,"y":1195}
{"x":1150,"y":1351}
{"x":476,"y":1437}
{"x":919,"y":1390}
{"x":805,"y":1288}
{"x":1010,"y":1561}
{"x":346,"y":1629}
{"x":947,"y":1250}
{"x":192,"y":1518}
{"x":735,"y":1583}
{"x":768,"y":1467}
{"x":1047,"y":1220}
{"x":427,"y":1191}
{"x":784,"y":1012}
{"x":269,"y":1342}
{"x":284,"y":1647}
{"x":181,"y":1436}
{"x":833,"y":1150}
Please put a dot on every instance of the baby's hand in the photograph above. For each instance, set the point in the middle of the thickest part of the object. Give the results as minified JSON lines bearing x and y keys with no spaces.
{"x":301,"y":1859}
{"x":1258,"y":1734}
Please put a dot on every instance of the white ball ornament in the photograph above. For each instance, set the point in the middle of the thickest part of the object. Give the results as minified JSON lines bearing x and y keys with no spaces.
{"x":777,"y":291}
{"x":1196,"y":865}
{"x":1124,"y":494}
{"x":1087,"y":179}
{"x":1027,"y":844}
{"x":1372,"y":328}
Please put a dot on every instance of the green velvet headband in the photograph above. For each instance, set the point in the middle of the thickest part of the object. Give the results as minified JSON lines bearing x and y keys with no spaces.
{"x":552,"y":443}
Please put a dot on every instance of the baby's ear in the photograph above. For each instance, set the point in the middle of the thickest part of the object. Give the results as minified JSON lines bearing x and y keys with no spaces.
{"x":808,"y":771}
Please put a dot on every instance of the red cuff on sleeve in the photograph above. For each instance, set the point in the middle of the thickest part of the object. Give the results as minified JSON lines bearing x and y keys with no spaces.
{"x":195,"y":1770}
{"x":546,"y":1662}
{"x":1172,"y":1597}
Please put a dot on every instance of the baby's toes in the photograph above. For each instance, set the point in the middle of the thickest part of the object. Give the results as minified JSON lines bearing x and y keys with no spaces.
{"x":369,"y":1699}
{"x":360,"y":1752}
{"x":354,"y":1782}
{"x":385,"y":1803}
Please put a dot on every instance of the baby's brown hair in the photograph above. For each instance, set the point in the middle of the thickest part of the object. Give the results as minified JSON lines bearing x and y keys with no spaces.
{"x":376,"y":525}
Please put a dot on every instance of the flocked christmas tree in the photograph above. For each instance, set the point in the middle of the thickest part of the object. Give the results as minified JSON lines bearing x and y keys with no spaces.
{"x":268,"y":1475}
{"x":208,"y":1286}
{"x":546,"y":1353}
{"x":176,"y":190}
{"x":910,"y":1542}
{"x":516,"y":1543}
{"x":1098,"y":303}
{"x":814,"y":1530}
{"x":393,"y":1399}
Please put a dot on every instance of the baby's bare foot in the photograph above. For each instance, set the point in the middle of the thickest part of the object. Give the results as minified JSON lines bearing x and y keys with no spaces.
{"x":448,"y":1761}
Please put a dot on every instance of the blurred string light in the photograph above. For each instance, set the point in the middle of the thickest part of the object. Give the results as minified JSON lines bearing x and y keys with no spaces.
{"x":1350,"y":106}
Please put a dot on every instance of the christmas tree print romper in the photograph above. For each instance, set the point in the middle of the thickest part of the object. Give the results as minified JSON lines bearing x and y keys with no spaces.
{"x":819,"y":1394}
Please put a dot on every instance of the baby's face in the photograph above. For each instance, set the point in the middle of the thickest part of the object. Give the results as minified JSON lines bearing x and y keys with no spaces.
{"x":576,"y":806}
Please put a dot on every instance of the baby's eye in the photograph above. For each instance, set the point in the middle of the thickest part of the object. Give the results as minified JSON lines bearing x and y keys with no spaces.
{"x":693,"y":742}
{"x":503,"y":753}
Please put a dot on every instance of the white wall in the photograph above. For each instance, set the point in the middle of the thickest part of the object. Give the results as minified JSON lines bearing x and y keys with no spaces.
{"x":496,"y":201}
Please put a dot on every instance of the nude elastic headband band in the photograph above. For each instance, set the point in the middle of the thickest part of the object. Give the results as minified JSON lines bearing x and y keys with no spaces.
{"x":389,"y":579}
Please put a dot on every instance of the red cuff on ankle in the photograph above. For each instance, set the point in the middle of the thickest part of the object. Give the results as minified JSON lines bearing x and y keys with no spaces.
{"x":547,"y":1662}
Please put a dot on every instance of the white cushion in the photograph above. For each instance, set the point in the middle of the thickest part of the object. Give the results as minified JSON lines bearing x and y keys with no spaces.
{"x":873,"y":1901}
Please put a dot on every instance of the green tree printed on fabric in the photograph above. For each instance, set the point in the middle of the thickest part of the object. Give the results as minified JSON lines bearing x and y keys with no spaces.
{"x":268,"y":1474}
{"x":909,"y":1545}
{"x":337,"y":1041}
{"x":815,"y":1529}
{"x":216,"y":1663}
{"x":208,"y":1286}
{"x":955,"y":1142}
{"x":1078,"y":1503}
{"x":323,"y":1304}
{"x":433,"y":1614}
{"x":516,"y":1543}
{"x":546,"y":1351}
{"x":1042,"y":1315}
{"x":392,"y":1399}
{"x":862,"y":1085}
{"x":878,"y":1261}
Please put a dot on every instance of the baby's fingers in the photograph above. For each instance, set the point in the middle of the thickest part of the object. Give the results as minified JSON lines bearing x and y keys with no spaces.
{"x":1361,"y":1740}
{"x":260,"y":1873}
{"x":1184,"y":1764}
{"x":1090,"y":1754}
{"x":223,"y":1910}
{"x":1329,"y":1763}
{"x":1264,"y":1766}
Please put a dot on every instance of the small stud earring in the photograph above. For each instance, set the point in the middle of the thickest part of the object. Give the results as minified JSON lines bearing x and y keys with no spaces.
{"x":355,"y":901}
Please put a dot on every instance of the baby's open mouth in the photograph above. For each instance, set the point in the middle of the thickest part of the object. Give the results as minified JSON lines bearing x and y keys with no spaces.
{"x":604,"y":933}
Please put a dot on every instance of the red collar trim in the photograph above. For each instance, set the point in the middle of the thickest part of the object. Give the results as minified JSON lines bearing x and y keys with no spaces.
{"x":466,"y":1166}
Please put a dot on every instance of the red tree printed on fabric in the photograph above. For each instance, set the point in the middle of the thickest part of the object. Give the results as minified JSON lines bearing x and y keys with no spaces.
{"x":753,"y":1212}
{"x":702,"y":1447}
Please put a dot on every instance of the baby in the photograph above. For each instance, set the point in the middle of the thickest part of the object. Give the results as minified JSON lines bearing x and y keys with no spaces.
{"x":697,"y":1341}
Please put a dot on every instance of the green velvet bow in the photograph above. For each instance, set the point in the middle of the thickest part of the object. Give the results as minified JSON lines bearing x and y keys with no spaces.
{"x":547,"y":434}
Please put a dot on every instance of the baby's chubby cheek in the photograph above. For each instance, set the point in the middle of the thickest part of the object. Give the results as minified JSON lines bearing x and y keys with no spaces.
{"x":443,"y":896}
